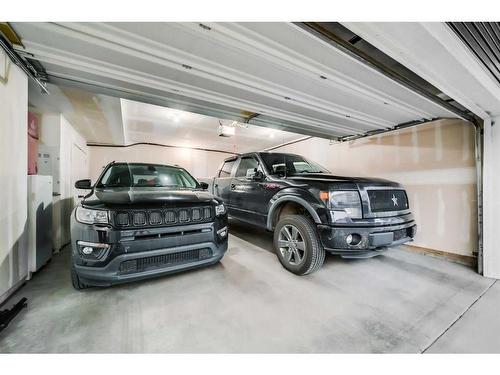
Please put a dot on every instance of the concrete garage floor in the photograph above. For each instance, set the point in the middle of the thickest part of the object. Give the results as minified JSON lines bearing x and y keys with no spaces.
{"x":398,"y":302}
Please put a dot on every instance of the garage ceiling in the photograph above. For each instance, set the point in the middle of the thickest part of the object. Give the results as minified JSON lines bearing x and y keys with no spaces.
{"x":106,"y":120}
{"x":146,"y":123}
{"x":290,"y":77}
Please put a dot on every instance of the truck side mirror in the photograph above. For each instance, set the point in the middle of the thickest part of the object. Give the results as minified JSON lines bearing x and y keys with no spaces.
{"x":257,"y":175}
{"x":83,"y":184}
{"x":204,"y":185}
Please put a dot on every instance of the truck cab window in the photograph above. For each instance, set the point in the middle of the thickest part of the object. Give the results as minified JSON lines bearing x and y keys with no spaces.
{"x":227,"y":168}
{"x":246,"y":164}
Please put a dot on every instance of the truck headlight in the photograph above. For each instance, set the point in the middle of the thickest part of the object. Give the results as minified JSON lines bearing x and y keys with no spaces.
{"x":220,"y":209}
{"x":345,"y":204}
{"x":87,"y":216}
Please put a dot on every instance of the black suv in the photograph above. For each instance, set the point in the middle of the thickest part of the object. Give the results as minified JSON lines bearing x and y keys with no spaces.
{"x":144,"y":220}
{"x":312,"y":211}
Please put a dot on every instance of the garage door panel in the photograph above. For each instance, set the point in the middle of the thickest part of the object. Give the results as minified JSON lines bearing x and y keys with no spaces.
{"x":354,"y":72}
{"x":240,"y":63}
{"x":255,"y":103}
{"x":277,"y":70}
{"x":323,"y":99}
{"x":131,"y":91}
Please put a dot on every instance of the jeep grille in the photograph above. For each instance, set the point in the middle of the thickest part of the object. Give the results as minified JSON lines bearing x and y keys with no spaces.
{"x":156,"y":217}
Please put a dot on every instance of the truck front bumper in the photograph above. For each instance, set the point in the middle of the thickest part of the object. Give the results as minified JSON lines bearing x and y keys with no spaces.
{"x":129,"y":255}
{"x":369,"y":238}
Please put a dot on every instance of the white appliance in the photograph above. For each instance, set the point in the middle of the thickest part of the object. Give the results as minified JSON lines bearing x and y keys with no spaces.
{"x":39,"y":221}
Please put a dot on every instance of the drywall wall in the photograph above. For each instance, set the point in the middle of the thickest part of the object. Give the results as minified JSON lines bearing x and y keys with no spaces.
{"x":13,"y":174}
{"x":70,"y":152}
{"x":436,"y":164}
{"x":491,"y":198}
{"x":201,"y":164}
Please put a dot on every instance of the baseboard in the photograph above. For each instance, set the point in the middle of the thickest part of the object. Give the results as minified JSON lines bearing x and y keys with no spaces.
{"x":467,"y":260}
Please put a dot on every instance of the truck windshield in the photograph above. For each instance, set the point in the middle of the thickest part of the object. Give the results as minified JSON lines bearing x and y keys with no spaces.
{"x":147,"y":175}
{"x":287,"y":164}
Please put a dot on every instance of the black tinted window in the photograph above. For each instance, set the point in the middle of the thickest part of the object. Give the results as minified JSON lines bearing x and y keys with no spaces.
{"x":226,"y":168}
{"x":284,"y":164}
{"x":246,"y":164}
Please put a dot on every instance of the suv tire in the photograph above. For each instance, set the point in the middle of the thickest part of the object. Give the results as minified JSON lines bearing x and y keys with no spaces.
{"x":75,"y":280}
{"x":297,"y":245}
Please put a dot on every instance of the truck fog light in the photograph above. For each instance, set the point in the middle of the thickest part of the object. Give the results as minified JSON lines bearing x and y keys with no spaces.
{"x":87,"y":250}
{"x":353,"y":239}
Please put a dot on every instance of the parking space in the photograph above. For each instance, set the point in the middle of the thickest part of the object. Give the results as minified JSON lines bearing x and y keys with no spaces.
{"x":400,"y":302}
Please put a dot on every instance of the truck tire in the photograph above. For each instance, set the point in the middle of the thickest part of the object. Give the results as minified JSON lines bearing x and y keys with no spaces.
{"x":75,"y":280}
{"x":297,"y":245}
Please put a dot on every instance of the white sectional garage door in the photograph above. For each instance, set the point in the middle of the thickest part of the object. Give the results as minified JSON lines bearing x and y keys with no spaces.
{"x":288,"y":76}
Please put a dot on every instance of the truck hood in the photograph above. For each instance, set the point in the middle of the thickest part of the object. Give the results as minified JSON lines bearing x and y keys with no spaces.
{"x":326,"y":178}
{"x":145,"y":196}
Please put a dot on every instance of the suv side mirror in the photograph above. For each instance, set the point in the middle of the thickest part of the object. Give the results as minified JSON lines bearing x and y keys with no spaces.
{"x":204,"y":185}
{"x":83,"y":184}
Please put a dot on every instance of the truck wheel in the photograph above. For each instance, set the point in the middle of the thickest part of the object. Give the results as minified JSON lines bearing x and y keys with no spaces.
{"x":75,"y":280}
{"x":297,"y":245}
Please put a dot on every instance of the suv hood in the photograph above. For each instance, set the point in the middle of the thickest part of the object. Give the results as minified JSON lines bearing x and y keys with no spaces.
{"x":330,"y":178}
{"x":147,"y":196}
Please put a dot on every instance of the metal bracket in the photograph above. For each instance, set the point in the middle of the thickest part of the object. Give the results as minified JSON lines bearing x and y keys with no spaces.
{"x":25,"y":66}
{"x":5,"y":77}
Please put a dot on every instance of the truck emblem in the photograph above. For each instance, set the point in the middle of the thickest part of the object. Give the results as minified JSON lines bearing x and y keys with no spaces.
{"x":394,"y":200}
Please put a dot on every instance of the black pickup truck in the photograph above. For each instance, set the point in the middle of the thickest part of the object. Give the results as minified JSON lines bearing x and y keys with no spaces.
{"x":312,"y":211}
{"x":144,"y":220}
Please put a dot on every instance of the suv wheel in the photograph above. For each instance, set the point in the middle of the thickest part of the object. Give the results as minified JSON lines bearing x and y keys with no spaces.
{"x":75,"y":280}
{"x":297,"y":245}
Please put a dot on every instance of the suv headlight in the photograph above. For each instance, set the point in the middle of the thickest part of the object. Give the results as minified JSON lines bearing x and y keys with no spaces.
{"x":87,"y":216}
{"x":345,"y":204}
{"x":220,"y":209}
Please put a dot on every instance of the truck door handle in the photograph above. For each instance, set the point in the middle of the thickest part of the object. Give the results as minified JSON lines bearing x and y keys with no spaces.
{"x":233,"y":186}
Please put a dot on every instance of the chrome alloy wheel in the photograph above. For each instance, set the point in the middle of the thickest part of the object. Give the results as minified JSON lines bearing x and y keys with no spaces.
{"x":291,"y":245}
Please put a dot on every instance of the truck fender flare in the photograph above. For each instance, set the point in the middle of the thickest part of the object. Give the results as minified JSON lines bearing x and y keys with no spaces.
{"x":293,"y":198}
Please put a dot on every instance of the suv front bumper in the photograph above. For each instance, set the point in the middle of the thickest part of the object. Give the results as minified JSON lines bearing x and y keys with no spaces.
{"x":131,"y":255}
{"x":373,"y":235}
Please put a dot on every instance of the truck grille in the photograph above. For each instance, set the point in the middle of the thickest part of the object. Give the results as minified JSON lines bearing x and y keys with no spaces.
{"x":156,"y":217}
{"x":164,"y":261}
{"x":387,"y":200}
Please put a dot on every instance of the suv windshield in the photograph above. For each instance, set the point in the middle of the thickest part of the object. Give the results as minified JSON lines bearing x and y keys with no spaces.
{"x":287,"y":164}
{"x":147,"y":175}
